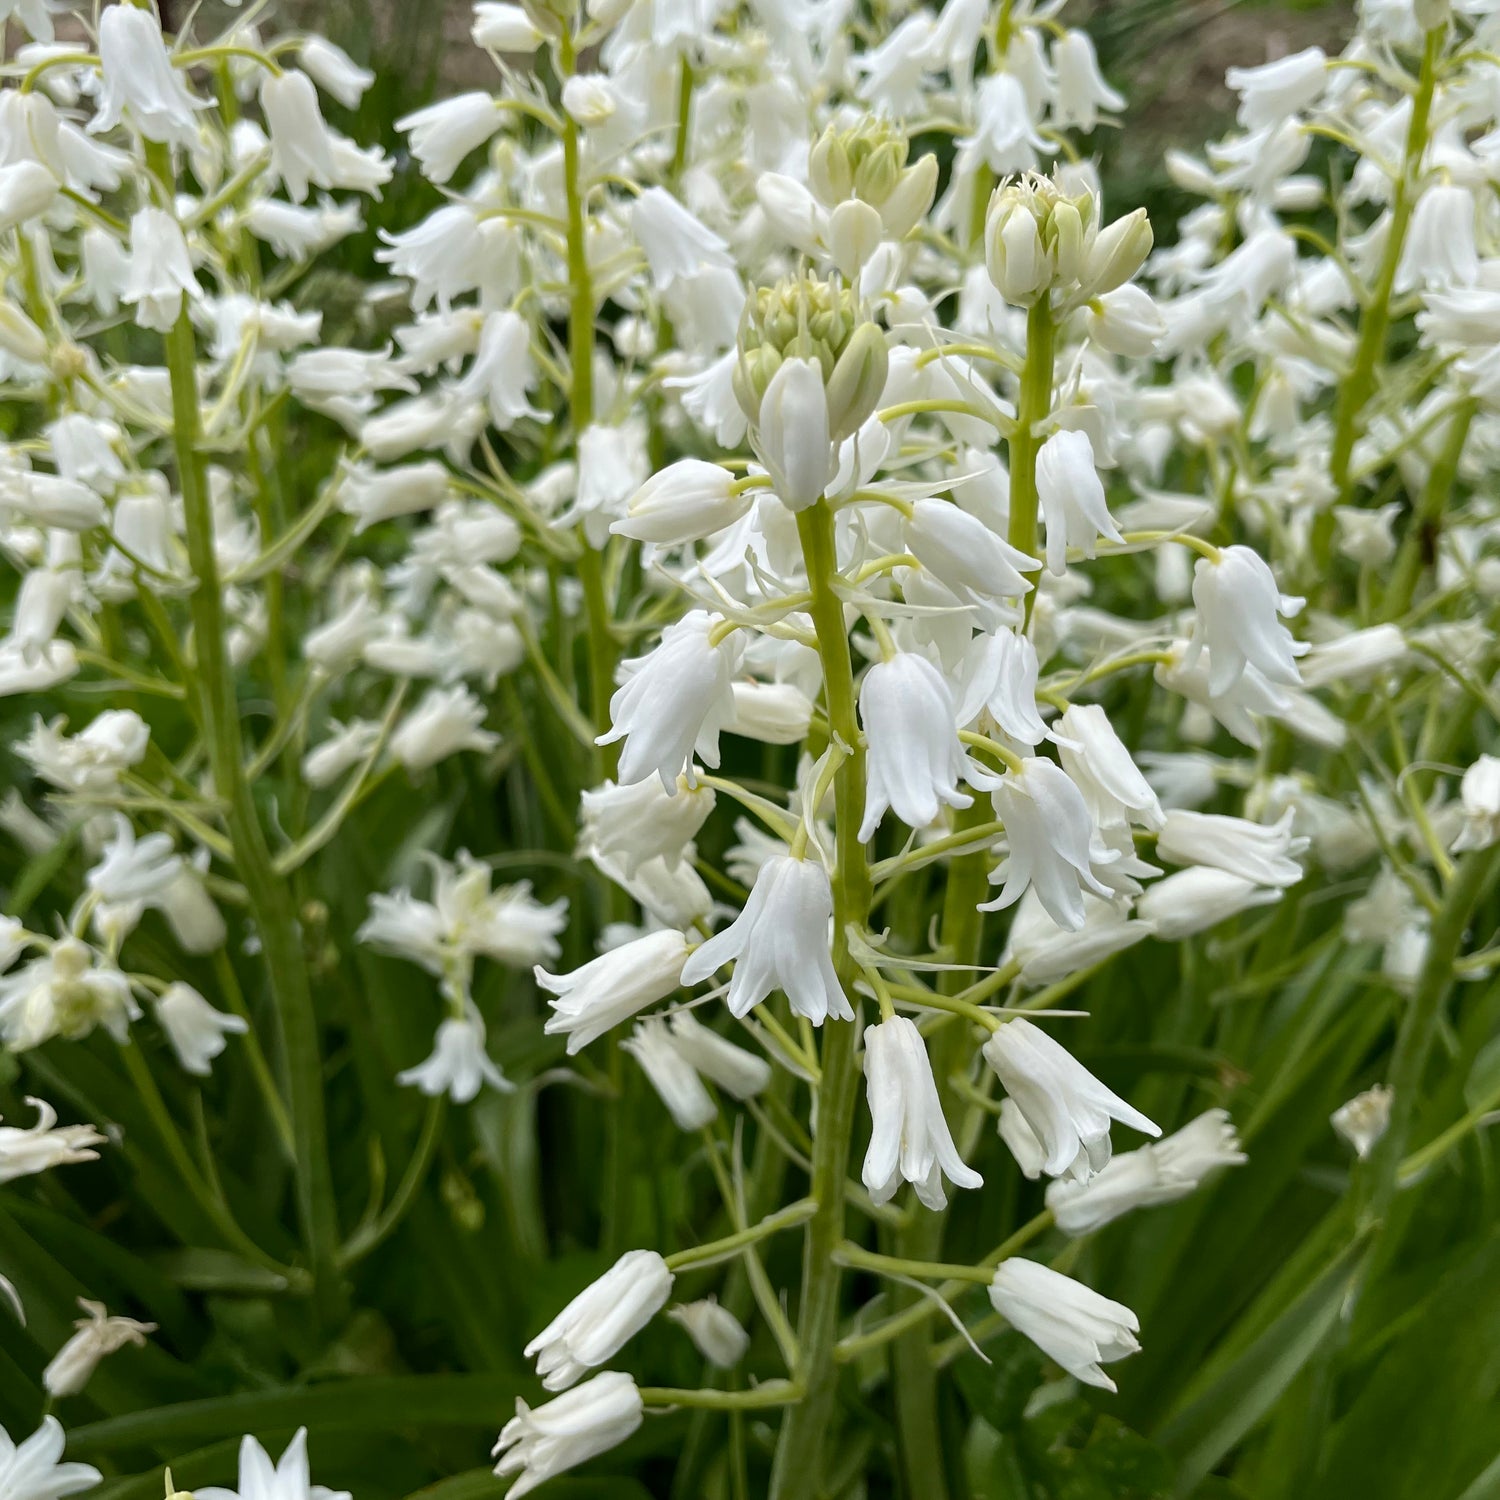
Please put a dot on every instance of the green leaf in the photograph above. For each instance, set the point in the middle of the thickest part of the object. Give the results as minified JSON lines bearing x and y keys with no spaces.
{"x":1230,"y":1397}
{"x":999,"y":1392}
{"x":1432,"y":1385}
{"x":403,"y":1402}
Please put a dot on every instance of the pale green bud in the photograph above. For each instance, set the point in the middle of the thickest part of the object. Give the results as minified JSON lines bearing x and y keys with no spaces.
{"x":909,"y":201}
{"x":1118,"y":252}
{"x":829,"y":173}
{"x":856,"y":383}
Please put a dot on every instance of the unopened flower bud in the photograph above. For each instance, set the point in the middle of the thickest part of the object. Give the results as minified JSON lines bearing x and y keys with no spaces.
{"x":686,"y":501}
{"x":20,"y":337}
{"x":856,"y":383}
{"x":828,"y":168}
{"x":907,"y":204}
{"x":1118,"y":252}
{"x":1018,"y":265}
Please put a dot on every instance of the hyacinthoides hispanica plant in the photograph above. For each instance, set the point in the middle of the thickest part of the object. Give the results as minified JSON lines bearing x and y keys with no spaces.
{"x":780,"y":514}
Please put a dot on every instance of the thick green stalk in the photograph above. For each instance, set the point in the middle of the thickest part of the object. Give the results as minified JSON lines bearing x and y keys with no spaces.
{"x":798,"y":1465}
{"x":1032,"y":407}
{"x":1359,"y":385}
{"x":269,"y":896}
{"x":601,"y":645}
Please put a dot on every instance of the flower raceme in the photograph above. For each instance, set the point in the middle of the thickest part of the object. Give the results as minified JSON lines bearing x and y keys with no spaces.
{"x":749,"y":440}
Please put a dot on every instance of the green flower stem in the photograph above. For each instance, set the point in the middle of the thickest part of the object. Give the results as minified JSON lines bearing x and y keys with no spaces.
{"x":601,"y":645}
{"x":1419,"y":545}
{"x":895,"y":1265}
{"x":716,"y":1250}
{"x":768,"y":1393}
{"x":269,"y":895}
{"x":860,"y":1344}
{"x":1359,"y":385}
{"x":797,"y":1469}
{"x":1032,"y":408}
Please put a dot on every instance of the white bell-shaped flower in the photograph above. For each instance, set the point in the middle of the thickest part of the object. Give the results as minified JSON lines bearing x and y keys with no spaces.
{"x":1071,"y":495}
{"x":674,"y":701}
{"x":613,"y":987}
{"x":910,"y":1141}
{"x":792,"y":433}
{"x":1239,"y":610}
{"x":915,"y":758}
{"x":1068,"y":1109}
{"x":1161,"y":1172}
{"x":590,"y":1420}
{"x":779,"y":941}
{"x":1067,"y":1321}
{"x":1050,"y":842}
{"x":597,"y":1322}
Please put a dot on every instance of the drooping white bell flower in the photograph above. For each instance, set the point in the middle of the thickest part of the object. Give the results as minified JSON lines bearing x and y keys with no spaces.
{"x":1161,"y":1172}
{"x":445,"y":722}
{"x":503,"y":372}
{"x":910,"y":1140}
{"x":44,"y":1145}
{"x":735,"y":1070}
{"x":1239,"y":610}
{"x":98,"y":1336}
{"x":161,"y":271}
{"x":1068,"y":1109}
{"x":502,"y":27}
{"x":1050,"y":842}
{"x":1364,"y":1118}
{"x":674,"y":1078}
{"x":1195,"y":899}
{"x":998,"y":677}
{"x":1276,"y":90}
{"x":1440,"y":248}
{"x":301,"y":144}
{"x":675,"y":243}
{"x":140,"y":86}
{"x":633,"y":824}
{"x":964,"y":555}
{"x":198,"y":1033}
{"x":458,"y":1065}
{"x":1479,"y":792}
{"x":541,"y":1444}
{"x":1047,"y":952}
{"x":915,"y":758}
{"x":1265,"y":854}
{"x":613,"y":987}
{"x":1074,"y":510}
{"x":674,"y":701}
{"x":715,"y":1331}
{"x":595,"y":1325}
{"x":684,"y":502}
{"x":779,"y":941}
{"x":334,"y":71}
{"x":775,"y":713}
{"x":444,"y":255}
{"x":1067,"y":1321}
{"x":1100,"y":766}
{"x":443,"y":134}
{"x":64,"y":992}
{"x":792,"y":433}
{"x":1080,"y":92}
